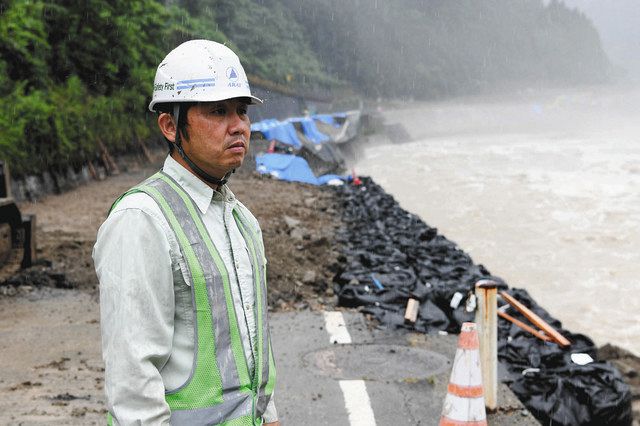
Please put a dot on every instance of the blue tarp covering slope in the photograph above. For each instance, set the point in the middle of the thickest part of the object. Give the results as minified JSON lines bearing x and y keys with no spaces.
{"x":310,"y":129}
{"x":285,"y":132}
{"x":290,"y":168}
{"x":281,"y":131}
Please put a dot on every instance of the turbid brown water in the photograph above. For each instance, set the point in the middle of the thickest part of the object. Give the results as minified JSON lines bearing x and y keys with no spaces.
{"x":541,"y":188}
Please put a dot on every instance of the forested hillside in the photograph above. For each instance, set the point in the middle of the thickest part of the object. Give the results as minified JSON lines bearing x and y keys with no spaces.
{"x":434,"y":48}
{"x":76,"y":76}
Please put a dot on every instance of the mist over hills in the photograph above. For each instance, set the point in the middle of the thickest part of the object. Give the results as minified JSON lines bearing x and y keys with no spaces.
{"x":438,"y":48}
{"x":618,"y":22}
{"x":76,"y":77}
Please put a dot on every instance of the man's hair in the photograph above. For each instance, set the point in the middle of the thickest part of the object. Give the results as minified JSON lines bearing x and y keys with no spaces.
{"x":182,"y":120}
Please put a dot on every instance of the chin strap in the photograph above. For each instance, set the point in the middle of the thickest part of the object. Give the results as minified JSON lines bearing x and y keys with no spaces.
{"x":201,"y":173}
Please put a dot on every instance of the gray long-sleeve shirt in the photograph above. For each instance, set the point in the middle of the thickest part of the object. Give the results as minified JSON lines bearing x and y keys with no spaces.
{"x":147,"y":317}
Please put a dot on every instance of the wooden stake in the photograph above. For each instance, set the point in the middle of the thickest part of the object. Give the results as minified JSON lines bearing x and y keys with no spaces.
{"x":536,"y":320}
{"x":487,"y":320}
{"x":29,"y":254}
{"x":411,"y":313}
{"x":524,"y":326}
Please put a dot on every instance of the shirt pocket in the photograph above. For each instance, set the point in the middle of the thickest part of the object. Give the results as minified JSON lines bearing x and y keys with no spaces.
{"x":181,"y":272}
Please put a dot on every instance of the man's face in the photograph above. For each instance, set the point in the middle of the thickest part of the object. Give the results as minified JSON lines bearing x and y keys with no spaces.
{"x":219,"y":135}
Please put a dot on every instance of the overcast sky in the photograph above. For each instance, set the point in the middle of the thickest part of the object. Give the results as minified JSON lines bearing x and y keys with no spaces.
{"x":618,"y":22}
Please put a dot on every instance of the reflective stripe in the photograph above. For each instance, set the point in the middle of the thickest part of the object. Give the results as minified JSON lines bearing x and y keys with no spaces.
{"x":236,"y":404}
{"x":272,"y":371}
{"x":236,"y":343}
{"x":193,"y":394}
{"x":465,"y":391}
{"x":219,"y":388}
{"x":214,"y":273}
{"x":269,"y":372}
{"x":132,"y":191}
{"x":261,"y":286}
{"x":262,"y":363}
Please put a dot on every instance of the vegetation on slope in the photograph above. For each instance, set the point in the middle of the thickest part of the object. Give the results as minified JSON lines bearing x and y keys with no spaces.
{"x":75,"y":76}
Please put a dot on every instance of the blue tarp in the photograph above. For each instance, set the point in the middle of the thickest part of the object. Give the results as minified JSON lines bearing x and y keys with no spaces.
{"x":285,"y":132}
{"x":281,"y":131}
{"x":310,"y":129}
{"x":290,"y":168}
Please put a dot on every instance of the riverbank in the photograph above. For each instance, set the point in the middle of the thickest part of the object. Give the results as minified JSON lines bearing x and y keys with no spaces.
{"x":540,"y":187}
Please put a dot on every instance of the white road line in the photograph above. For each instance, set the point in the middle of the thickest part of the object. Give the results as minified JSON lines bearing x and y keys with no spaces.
{"x":337,"y":329}
{"x":356,"y":398}
{"x":357,"y":403}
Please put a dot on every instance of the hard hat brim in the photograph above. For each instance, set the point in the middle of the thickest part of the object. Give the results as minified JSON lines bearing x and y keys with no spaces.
{"x":253,"y":100}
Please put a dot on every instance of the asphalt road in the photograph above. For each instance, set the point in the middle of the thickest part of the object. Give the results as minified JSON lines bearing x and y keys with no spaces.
{"x":405,"y":375}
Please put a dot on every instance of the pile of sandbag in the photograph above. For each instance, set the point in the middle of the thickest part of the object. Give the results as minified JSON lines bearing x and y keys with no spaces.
{"x":391,"y":255}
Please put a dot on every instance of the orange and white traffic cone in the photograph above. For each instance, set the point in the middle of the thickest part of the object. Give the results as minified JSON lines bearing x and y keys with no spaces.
{"x":464,"y":404}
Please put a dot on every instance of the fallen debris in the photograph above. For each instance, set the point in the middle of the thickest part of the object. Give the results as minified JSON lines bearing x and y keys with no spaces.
{"x":411,"y":314}
{"x":536,"y":320}
{"x":40,"y":275}
{"x":523,"y":326}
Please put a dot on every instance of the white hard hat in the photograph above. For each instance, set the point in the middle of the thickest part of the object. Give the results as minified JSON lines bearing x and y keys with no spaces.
{"x":200,"y":71}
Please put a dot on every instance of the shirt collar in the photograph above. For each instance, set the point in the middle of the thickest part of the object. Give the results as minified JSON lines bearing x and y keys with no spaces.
{"x":201,"y":193}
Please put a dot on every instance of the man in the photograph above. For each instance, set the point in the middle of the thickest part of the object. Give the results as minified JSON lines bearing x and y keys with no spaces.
{"x":181,"y":263}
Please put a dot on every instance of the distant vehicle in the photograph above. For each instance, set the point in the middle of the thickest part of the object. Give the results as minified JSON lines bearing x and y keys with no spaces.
{"x":17,"y":232}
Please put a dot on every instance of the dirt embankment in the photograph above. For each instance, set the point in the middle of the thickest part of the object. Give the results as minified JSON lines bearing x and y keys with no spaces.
{"x":298,"y":223}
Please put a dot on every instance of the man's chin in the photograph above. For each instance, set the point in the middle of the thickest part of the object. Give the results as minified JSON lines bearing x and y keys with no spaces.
{"x":235,"y":164}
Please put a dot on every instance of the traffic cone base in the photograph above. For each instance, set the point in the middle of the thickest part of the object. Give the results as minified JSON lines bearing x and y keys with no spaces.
{"x":464,"y":404}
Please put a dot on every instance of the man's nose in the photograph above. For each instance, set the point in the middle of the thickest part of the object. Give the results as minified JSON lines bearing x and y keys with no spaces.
{"x":239,"y":124}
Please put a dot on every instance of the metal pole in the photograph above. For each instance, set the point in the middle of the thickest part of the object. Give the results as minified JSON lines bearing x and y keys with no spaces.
{"x":487,"y":320}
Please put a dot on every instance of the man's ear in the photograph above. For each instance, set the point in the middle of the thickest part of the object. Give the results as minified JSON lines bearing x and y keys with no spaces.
{"x":167,"y":126}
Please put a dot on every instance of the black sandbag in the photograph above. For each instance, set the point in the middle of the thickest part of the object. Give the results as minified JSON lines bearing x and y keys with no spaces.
{"x":354,"y":295}
{"x":594,"y":394}
{"x":410,"y":259}
{"x":431,"y":317}
{"x":557,"y":391}
{"x":389,"y":315}
{"x":402,"y":252}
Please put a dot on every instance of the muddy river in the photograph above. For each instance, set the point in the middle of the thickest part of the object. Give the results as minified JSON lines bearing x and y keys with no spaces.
{"x":543,"y":188}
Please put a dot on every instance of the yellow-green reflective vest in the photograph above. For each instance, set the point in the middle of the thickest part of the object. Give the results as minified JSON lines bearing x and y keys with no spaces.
{"x":220,"y":389}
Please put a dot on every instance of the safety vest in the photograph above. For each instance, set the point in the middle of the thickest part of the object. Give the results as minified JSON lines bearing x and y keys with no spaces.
{"x":220,"y":389}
